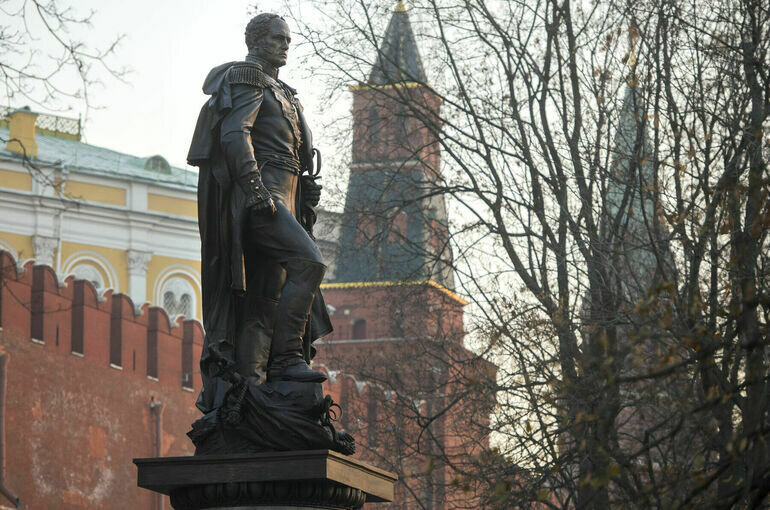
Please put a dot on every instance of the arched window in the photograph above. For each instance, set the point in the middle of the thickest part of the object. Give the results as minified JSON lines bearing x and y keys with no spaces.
{"x":177,"y":290}
{"x":359,"y":329}
{"x":178,"y":297}
{"x":86,"y":271}
{"x":157,"y":164}
{"x":91,"y":266}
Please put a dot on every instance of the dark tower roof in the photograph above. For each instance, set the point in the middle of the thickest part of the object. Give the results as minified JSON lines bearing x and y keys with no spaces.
{"x":632,"y":192}
{"x":631,"y":172}
{"x":398,"y":60}
{"x":390,"y":231}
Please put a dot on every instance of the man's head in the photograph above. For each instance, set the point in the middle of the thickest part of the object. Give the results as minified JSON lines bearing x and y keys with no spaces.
{"x":268,"y":37}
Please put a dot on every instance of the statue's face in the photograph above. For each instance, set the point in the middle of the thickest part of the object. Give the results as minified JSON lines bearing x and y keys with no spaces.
{"x":274,"y":47}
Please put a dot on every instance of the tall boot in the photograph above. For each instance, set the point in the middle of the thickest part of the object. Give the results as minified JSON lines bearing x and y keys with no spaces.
{"x":252,"y":347}
{"x":287,"y":363}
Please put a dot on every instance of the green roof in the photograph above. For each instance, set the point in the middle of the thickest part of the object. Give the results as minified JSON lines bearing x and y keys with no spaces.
{"x":55,"y":150}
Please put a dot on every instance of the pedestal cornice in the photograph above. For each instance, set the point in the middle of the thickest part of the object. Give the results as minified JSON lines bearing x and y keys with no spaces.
{"x":306,"y":479}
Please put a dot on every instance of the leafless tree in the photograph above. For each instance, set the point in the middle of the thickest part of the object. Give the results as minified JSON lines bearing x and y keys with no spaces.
{"x":44,"y":62}
{"x":607,"y":165}
{"x":44,"y":57}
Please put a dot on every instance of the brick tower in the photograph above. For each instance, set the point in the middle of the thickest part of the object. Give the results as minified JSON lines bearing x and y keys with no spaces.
{"x":393,"y":228}
{"x":396,"y":355}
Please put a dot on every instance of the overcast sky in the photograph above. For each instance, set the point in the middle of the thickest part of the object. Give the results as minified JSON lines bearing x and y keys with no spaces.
{"x":169,"y":46}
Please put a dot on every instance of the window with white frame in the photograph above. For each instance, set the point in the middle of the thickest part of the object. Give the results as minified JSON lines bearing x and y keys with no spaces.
{"x":178,"y":297}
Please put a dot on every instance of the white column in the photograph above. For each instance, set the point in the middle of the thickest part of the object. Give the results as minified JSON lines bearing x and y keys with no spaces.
{"x":44,"y":248}
{"x":137,"y":275}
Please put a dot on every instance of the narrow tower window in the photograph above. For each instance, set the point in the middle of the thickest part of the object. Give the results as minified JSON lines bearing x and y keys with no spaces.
{"x":402,"y":126}
{"x":359,"y":329}
{"x":373,"y":125}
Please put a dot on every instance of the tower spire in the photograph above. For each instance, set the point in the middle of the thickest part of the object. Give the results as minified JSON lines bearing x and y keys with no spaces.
{"x":398,"y":60}
{"x":390,"y":232}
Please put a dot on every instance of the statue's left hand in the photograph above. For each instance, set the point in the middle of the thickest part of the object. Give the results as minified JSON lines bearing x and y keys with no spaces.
{"x":311,"y":191}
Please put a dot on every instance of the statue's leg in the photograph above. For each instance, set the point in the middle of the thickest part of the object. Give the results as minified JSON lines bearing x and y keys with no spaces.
{"x":280,"y":237}
{"x":256,"y":314}
{"x":303,"y":277}
{"x":252,"y":347}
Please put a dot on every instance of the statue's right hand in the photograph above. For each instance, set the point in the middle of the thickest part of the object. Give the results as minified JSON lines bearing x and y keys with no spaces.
{"x":258,"y":198}
{"x":265,"y":207}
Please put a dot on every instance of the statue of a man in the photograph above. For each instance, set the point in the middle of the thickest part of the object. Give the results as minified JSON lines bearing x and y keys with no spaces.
{"x":261,"y":269}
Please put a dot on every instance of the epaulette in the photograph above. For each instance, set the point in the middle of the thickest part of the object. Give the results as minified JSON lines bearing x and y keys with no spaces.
{"x":289,"y":87}
{"x":248,"y":74}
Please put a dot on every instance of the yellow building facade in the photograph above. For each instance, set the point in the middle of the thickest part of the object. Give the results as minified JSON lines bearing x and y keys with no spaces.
{"x":122,"y":222}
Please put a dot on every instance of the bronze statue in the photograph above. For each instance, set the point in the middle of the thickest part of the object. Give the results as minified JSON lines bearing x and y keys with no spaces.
{"x":261,"y":269}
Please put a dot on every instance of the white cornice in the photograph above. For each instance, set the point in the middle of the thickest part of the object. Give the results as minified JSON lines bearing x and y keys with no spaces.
{"x":101,"y":225}
{"x":21,"y":199}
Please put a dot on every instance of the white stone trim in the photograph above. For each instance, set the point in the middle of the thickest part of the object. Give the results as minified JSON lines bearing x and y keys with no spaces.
{"x":92,"y":274}
{"x":7,"y":247}
{"x":44,"y":247}
{"x":137,"y":196}
{"x":93,"y":258}
{"x":138,"y":261}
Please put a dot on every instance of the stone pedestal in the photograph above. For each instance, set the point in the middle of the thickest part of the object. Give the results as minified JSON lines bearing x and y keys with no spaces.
{"x":277,"y":480}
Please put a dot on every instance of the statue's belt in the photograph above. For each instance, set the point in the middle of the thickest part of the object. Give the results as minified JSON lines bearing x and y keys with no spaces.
{"x":280,"y":161}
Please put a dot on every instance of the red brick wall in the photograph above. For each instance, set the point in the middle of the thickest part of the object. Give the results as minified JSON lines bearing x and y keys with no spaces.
{"x":73,"y":423}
